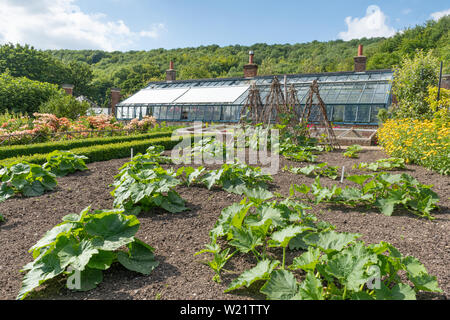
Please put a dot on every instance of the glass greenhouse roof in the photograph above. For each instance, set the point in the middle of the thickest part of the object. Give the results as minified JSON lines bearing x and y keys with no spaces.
{"x":351,"y":97}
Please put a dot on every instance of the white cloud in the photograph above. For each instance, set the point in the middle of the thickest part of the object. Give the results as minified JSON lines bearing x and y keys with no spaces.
{"x":437,"y":15}
{"x":60,"y":24}
{"x":406,"y":11}
{"x":371,"y":26}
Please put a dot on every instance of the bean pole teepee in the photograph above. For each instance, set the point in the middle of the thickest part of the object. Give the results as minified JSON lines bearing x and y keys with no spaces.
{"x":254,"y":106}
{"x":322,"y":117}
{"x":287,"y":110}
{"x":275,"y":103}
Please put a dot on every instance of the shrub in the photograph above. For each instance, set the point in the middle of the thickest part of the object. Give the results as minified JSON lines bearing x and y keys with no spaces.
{"x":143,"y":125}
{"x":411,"y":83}
{"x":64,"y":105}
{"x":105,"y":152}
{"x":47,"y":147}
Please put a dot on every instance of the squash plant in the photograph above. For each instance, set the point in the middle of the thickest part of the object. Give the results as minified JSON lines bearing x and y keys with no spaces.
{"x":321,"y":169}
{"x":331,"y":266}
{"x":143,"y":184}
{"x":83,"y":246}
{"x":235,"y":177}
{"x":353,"y":151}
{"x":61,"y":163}
{"x":382,"y":164}
{"x":383,"y":190}
{"x":27,"y":179}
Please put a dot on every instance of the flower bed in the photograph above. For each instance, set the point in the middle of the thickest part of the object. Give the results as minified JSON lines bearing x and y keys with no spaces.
{"x":422,"y":142}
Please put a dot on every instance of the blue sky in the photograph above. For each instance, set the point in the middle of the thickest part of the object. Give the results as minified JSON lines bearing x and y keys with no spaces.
{"x":147,"y":24}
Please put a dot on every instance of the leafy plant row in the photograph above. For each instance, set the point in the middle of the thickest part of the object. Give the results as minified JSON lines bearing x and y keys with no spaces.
{"x":143,"y":184}
{"x":381,"y":165}
{"x":32,"y":180}
{"x":332,"y":265}
{"x":385,"y":191}
{"x":321,"y":169}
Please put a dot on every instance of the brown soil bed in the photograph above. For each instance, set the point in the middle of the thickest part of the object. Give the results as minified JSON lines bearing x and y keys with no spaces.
{"x":176,"y":237}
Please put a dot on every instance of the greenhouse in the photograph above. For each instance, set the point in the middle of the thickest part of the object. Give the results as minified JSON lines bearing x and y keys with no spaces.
{"x":350,"y":97}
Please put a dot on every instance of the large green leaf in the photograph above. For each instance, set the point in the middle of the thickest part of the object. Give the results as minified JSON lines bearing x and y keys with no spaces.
{"x":6,"y":192}
{"x":262,"y":271}
{"x":307,"y":261}
{"x":50,"y":236}
{"x":172,"y":203}
{"x":245,"y":240}
{"x":282,"y":285}
{"x":76,"y":254}
{"x":349,"y":269}
{"x":34,"y":189}
{"x":211,"y":178}
{"x":419,"y":276}
{"x":311,"y":288}
{"x":102,"y":260}
{"x":85,"y":280}
{"x":20,"y":169}
{"x":112,"y":230}
{"x":330,"y":241}
{"x":359,"y":179}
{"x":398,"y":292}
{"x":47,"y":267}
{"x":281,"y":238}
{"x":139,"y":258}
{"x":258,"y":195}
{"x":266,"y":212}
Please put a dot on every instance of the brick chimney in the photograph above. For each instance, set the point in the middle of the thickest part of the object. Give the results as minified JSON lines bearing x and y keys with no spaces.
{"x":171,"y":74}
{"x":251,"y":69}
{"x":360,"y":60}
{"x":68,"y":88}
{"x":115,"y":99}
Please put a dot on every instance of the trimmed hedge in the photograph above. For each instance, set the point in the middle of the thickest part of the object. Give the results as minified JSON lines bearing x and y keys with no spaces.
{"x":102,"y":152}
{"x":47,"y":147}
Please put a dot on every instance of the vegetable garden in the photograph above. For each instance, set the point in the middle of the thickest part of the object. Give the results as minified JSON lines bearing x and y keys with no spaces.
{"x":145,"y":228}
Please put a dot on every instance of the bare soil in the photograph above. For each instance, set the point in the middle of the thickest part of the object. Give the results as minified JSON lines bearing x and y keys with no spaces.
{"x":176,"y":237}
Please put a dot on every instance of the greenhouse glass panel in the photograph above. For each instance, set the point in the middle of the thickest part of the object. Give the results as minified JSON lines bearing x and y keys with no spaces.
{"x":192,"y":111}
{"x":170,"y":111}
{"x":155,"y":96}
{"x":343,"y":94}
{"x":374,"y":113}
{"x":177,"y":113}
{"x":212,"y":95}
{"x":350,"y":113}
{"x":338,"y":113}
{"x":163,"y":113}
{"x":200,"y":114}
{"x":217,"y":113}
{"x":156,"y":112}
{"x":209,"y":111}
{"x":363,"y":114}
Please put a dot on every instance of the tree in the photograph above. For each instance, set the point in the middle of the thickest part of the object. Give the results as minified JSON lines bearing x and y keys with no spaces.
{"x":20,"y":94}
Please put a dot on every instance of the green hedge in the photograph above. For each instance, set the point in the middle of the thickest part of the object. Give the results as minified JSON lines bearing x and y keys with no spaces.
{"x":102,"y":152}
{"x":47,"y":147}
